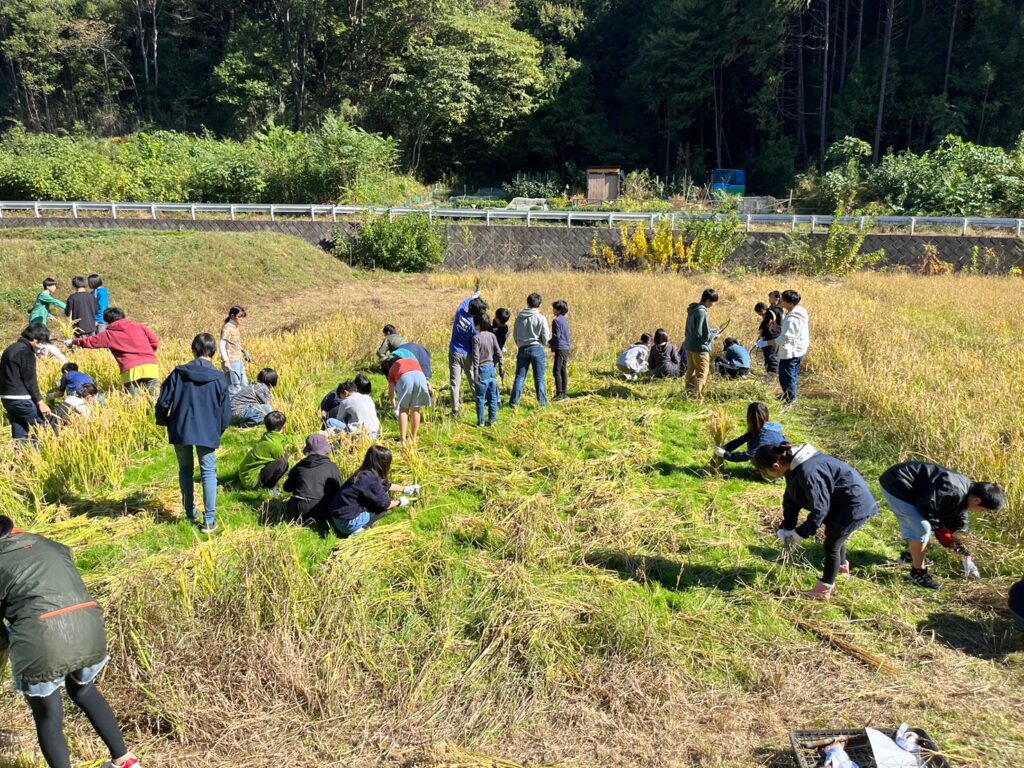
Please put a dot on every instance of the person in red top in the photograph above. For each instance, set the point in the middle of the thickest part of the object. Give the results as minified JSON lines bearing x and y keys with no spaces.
{"x":133,"y":346}
{"x":409,"y":392}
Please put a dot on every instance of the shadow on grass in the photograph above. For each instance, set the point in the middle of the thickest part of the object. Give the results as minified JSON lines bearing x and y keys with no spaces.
{"x":120,"y":505}
{"x":670,"y":574}
{"x":667,"y":468}
{"x":990,"y":640}
{"x":816,"y":553}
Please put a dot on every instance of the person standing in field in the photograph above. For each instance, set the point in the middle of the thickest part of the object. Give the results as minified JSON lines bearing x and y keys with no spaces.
{"x":532,"y":334}
{"x":195,"y":407}
{"x":460,"y":349}
{"x":486,"y":359}
{"x":233,"y":357}
{"x":700,"y":337}
{"x":832,"y":491}
{"x":81,"y":308}
{"x":52,"y":630}
{"x":769,"y":328}
{"x":134,"y":348}
{"x":793,"y":343}
{"x":40,"y":312}
{"x":102,"y":300}
{"x":561,"y":337}
{"x":928,"y":498}
{"x":19,"y":386}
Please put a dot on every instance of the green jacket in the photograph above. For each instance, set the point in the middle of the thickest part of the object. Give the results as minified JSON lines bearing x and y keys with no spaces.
{"x":698,"y":329}
{"x":270,"y":447}
{"x":55,"y":625}
{"x":40,"y":314}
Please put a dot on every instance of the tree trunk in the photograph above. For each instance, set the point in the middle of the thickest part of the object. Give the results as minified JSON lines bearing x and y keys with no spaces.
{"x":823,"y":109}
{"x":846,"y":44}
{"x":801,"y":111}
{"x":154,"y":38}
{"x":949,"y":47}
{"x":718,"y":123}
{"x":890,"y":13}
{"x":860,"y":28}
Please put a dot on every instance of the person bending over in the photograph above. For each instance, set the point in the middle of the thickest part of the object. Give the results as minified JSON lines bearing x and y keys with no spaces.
{"x":760,"y":433}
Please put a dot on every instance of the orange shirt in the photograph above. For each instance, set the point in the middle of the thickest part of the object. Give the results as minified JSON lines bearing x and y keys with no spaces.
{"x":403,"y":366}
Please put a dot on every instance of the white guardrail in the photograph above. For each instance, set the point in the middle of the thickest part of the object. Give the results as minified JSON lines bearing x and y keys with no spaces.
{"x":909,"y":224}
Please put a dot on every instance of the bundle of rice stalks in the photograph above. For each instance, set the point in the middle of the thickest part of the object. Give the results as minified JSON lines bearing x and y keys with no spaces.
{"x":718,"y":430}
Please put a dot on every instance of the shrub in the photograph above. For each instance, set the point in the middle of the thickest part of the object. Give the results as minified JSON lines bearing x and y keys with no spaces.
{"x":535,"y":185}
{"x":840,"y":255}
{"x":410,"y":243}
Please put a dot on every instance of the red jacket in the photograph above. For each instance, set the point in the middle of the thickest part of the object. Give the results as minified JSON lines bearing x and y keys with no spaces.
{"x":132,"y":344}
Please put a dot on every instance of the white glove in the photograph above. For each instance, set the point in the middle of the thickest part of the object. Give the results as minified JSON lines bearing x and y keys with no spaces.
{"x":761,"y":344}
{"x":790,"y":539}
{"x":970,"y":569}
{"x":720,"y":451}
{"x":413,"y":490}
{"x":68,"y":343}
{"x":404,"y":501}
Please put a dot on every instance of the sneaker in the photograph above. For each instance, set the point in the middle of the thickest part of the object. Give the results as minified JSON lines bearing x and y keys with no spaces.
{"x":130,"y":761}
{"x":922,"y":579}
{"x":906,"y":558}
{"x":821,"y":592}
{"x":560,"y":398}
{"x":207,"y":528}
{"x":844,"y":569}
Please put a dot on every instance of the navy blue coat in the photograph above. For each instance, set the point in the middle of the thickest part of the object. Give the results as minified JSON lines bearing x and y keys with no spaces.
{"x":771,"y":435}
{"x":833,"y":491}
{"x":194,"y":405}
{"x":422,"y":357}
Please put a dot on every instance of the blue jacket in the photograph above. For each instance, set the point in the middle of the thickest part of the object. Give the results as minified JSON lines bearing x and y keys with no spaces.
{"x":771,"y":436}
{"x":102,"y":302}
{"x":463,"y":330}
{"x":423,"y":356}
{"x":560,"y":334}
{"x":72,"y":381}
{"x":833,"y":491}
{"x":194,"y":405}
{"x":737,"y":356}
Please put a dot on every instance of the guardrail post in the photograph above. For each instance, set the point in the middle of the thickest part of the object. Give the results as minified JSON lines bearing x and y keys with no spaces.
{"x":391,"y":215}
{"x":652,"y":220}
{"x":862,"y":223}
{"x":74,"y":210}
{"x":430,"y":215}
{"x":913,"y":225}
{"x":748,"y":222}
{"x":1020,"y":223}
{"x":964,"y":230}
{"x":672,"y":222}
{"x":152,"y":211}
{"x":611,"y":221}
{"x":113,"y":210}
{"x":273,"y":213}
{"x":35,"y":207}
{"x":814,"y":225}
{"x":312,"y":213}
{"x":792,"y":224}
{"x":192,"y":210}
{"x":487,"y":218}
{"x":232,"y":213}
{"x":528,"y":218}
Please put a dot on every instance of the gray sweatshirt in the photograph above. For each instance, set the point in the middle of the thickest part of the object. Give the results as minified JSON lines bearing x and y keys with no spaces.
{"x":531,"y":329}
{"x":485,"y":352}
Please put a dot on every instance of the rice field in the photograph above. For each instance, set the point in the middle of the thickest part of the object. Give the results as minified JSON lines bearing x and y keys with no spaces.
{"x":579,"y":586}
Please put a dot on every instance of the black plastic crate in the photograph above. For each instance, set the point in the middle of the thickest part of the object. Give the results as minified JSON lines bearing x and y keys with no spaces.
{"x":858,"y":748}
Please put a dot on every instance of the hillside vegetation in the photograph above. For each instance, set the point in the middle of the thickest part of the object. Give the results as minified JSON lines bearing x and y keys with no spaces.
{"x":576,"y":588}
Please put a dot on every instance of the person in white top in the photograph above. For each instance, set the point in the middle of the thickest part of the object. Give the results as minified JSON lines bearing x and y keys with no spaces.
{"x":633,"y":362}
{"x":793,"y":343}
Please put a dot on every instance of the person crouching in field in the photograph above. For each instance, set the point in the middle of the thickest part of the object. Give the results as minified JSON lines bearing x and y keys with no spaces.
{"x":251,"y":404}
{"x":56,"y":640}
{"x":486,"y":359}
{"x":355,"y":413}
{"x":633,"y":362}
{"x":312,"y":482}
{"x":195,"y":407}
{"x":760,"y":433}
{"x":392,"y":341}
{"x":928,"y":498}
{"x":665,"y":361}
{"x":134,"y":348}
{"x":267,"y":461}
{"x":832,"y":491}
{"x":365,"y":498}
{"x":79,"y":403}
{"x":734,"y":362}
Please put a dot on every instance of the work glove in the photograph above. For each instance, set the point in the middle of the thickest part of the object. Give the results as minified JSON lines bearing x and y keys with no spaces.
{"x":761,"y":344}
{"x":68,"y":343}
{"x":413,"y":490}
{"x":791,"y":540}
{"x":720,"y":451}
{"x":970,"y":569}
{"x":404,"y":501}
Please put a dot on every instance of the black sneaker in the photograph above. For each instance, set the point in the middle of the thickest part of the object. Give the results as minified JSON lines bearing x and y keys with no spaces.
{"x":906,"y":558}
{"x":922,"y":579}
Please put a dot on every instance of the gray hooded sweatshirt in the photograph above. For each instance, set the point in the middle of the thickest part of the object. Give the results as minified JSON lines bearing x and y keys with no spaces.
{"x":531,"y":329}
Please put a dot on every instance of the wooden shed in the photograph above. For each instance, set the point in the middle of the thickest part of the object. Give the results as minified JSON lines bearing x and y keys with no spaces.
{"x":603,"y":184}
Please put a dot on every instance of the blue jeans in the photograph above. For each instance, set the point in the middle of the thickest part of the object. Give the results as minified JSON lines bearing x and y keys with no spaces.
{"x":789,"y":378}
{"x":254,"y":416}
{"x":486,"y":391}
{"x":348,"y":527}
{"x":237,"y":378}
{"x":536,"y":357}
{"x":208,"y":474}
{"x":913,"y":525}
{"x":337,"y":425}
{"x":23,"y":415}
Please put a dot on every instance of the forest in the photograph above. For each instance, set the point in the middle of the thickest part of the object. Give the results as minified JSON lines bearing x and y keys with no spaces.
{"x":479,"y":90}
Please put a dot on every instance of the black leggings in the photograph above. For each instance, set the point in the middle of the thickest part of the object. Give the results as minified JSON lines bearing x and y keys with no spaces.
{"x":48,"y":713}
{"x":561,"y":372}
{"x":835,"y":556}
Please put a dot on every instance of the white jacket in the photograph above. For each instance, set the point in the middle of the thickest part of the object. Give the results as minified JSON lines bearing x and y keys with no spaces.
{"x":634,"y":359}
{"x":795,"y":339}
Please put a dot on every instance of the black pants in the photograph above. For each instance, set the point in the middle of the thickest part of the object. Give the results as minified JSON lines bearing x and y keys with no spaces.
{"x":272,"y":473}
{"x":835,"y":556}
{"x":48,"y":713}
{"x":771,"y":359}
{"x":722,"y":368}
{"x":561,"y":372}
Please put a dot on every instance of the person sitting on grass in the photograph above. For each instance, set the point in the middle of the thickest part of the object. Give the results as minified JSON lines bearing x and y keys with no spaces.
{"x":80,"y":403}
{"x":40,"y":312}
{"x":832,"y":491}
{"x":408,"y":392}
{"x":632,"y":363}
{"x":929,"y":498}
{"x":355,"y":413}
{"x":267,"y":461}
{"x":665,"y":361}
{"x":195,"y":407}
{"x":312,"y":482}
{"x":365,"y":498}
{"x":134,"y":348}
{"x":251,"y":404}
{"x":52,"y":630}
{"x":485,"y":362}
{"x":760,"y":433}
{"x":71,"y":380}
{"x":734,"y":362}
{"x":392,"y":341}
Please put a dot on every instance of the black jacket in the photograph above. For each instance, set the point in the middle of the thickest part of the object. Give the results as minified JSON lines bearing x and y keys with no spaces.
{"x":313,"y":482}
{"x":832,"y":491}
{"x":939,"y":494}
{"x":664,"y":361}
{"x":363,"y":492}
{"x":771,"y":323}
{"x":18,"y":371}
{"x":82,"y":309}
